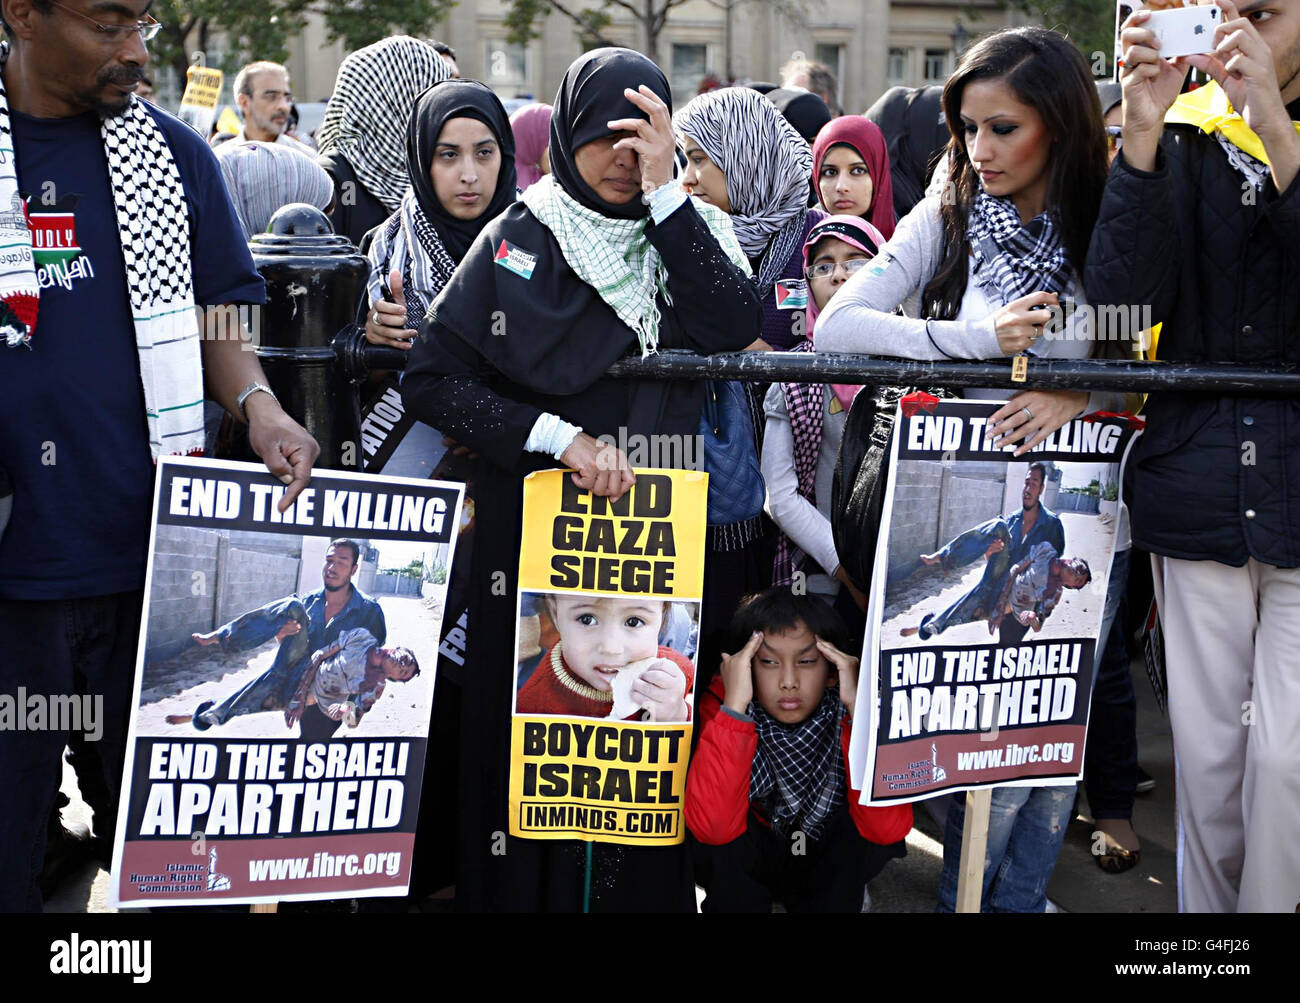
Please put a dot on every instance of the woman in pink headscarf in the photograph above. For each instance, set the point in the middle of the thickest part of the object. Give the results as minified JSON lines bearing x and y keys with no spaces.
{"x":532,"y":129}
{"x":851,"y":171}
{"x":805,"y":423}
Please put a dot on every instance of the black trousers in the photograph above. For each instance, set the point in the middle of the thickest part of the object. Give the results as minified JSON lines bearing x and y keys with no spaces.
{"x":759,"y":867}
{"x":1010,"y":631}
{"x":60,"y":648}
{"x":1111,"y":760}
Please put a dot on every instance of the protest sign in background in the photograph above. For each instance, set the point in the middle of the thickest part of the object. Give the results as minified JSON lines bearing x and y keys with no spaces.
{"x":987,"y":599}
{"x":243,"y":808}
{"x":605,"y":658}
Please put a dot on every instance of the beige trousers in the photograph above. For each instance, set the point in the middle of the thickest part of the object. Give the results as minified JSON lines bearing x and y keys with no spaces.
{"x":1232,"y":653}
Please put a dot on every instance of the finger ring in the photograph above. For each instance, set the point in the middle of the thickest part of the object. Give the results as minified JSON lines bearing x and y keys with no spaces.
{"x":1028,"y":414}
{"x":375,"y":317}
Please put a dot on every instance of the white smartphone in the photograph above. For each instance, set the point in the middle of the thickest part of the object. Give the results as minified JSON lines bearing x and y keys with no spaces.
{"x":1123,"y":10}
{"x":1185,"y":31}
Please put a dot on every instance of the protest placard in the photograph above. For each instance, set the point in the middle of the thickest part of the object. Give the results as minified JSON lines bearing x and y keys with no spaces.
{"x":605,"y":658}
{"x":987,"y":599}
{"x":283,"y":687}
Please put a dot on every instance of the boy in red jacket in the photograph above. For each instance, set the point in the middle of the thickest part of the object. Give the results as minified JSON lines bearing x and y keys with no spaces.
{"x":768,"y":806}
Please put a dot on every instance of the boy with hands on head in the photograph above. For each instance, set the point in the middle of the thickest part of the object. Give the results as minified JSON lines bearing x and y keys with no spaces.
{"x":768,"y":804}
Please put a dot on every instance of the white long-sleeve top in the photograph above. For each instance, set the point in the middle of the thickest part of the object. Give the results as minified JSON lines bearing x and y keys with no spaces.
{"x":860,"y":317}
{"x":807,"y":525}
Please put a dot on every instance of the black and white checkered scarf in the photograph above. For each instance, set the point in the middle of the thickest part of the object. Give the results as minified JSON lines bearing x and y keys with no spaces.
{"x":408,"y":242}
{"x":154,"y":228}
{"x":1014,"y":259}
{"x":798,"y":772}
{"x":367,"y":114}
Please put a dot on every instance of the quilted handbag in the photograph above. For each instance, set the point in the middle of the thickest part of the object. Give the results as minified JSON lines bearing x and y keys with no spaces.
{"x":861,"y":476}
{"x":736,"y":489}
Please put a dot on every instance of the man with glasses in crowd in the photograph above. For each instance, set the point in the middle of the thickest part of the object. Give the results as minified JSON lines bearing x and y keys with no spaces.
{"x":265,"y":100}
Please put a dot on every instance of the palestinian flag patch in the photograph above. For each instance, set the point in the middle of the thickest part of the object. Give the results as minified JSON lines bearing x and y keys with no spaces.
{"x":516,"y":259}
{"x":791,"y":294}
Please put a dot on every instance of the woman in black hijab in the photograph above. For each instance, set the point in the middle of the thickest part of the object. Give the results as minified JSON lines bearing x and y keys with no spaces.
{"x":460,"y":156}
{"x":802,"y":109}
{"x":510,"y":362}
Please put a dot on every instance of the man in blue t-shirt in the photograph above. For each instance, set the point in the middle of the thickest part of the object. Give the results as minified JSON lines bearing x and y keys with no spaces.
{"x":75,"y":442}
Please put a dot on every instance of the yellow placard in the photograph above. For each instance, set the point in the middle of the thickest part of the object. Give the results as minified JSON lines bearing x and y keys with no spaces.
{"x":650,"y":542}
{"x":203,"y":87}
{"x":605,"y":658}
{"x":612,"y":782}
{"x":229,"y":122}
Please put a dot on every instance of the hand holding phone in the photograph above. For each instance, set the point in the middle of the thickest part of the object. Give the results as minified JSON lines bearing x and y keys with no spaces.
{"x":1185,"y":31}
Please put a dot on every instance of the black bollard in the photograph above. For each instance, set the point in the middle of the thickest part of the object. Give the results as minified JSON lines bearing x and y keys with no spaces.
{"x":314,"y":281}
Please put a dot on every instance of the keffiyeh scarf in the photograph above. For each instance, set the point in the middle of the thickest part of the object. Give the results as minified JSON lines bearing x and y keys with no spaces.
{"x":798,"y":771}
{"x":1209,"y":109}
{"x":149,"y":201}
{"x":614,"y":257}
{"x":1014,"y":259}
{"x":408,"y":242}
{"x":368,"y":112}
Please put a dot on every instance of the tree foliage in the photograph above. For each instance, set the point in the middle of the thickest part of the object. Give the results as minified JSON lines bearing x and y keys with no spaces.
{"x":652,"y":15}
{"x":591,"y":22}
{"x":1089,"y":24}
{"x":261,"y":29}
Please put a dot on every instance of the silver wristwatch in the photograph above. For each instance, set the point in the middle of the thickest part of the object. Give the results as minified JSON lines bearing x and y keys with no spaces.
{"x":248,"y":392}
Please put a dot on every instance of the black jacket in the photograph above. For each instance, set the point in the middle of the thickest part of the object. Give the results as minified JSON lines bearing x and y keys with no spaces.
{"x":1215,"y":477}
{"x":356,"y":210}
{"x":459,"y":390}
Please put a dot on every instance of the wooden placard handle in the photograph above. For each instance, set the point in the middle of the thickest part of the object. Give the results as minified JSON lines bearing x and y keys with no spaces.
{"x":974,"y":843}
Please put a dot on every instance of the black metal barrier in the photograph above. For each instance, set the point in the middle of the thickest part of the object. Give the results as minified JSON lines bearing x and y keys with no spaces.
{"x":357,"y":358}
{"x":312,"y":350}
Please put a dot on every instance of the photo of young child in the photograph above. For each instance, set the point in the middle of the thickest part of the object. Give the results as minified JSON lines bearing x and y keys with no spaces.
{"x":605,"y":656}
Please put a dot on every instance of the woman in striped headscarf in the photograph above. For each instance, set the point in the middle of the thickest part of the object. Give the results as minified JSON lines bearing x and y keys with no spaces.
{"x":745,"y":158}
{"x":363,"y":135}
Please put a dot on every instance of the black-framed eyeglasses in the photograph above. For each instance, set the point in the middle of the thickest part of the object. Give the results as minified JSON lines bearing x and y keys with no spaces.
{"x":147,"y":29}
{"x":827,"y":268}
{"x":1114,"y":136}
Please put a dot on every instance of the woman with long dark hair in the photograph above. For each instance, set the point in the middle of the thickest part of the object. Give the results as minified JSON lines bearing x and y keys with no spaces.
{"x":512,"y":364}
{"x":980,"y":270}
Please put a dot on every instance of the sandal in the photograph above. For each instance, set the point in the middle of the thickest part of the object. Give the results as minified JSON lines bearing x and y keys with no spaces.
{"x":1116,"y":859}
